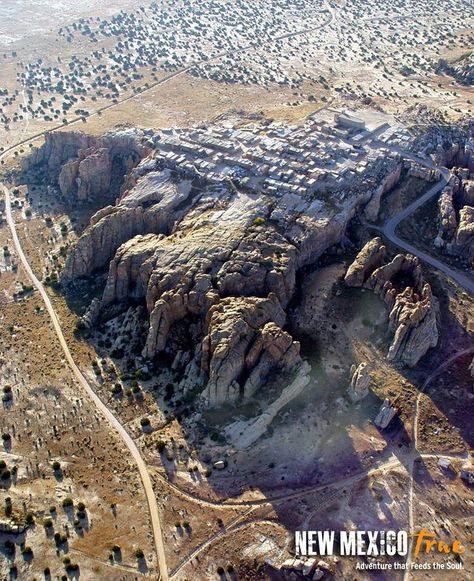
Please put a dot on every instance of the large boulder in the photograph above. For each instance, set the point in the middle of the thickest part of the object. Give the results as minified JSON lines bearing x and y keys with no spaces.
{"x":385,"y":415}
{"x":360,"y":380}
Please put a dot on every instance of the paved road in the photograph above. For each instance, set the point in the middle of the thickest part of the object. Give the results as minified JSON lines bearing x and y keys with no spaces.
{"x":390,"y":227}
{"x":388,"y":230}
{"x":112,"y":420}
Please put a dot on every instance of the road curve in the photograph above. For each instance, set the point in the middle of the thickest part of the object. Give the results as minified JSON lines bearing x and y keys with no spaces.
{"x":389,"y":230}
{"x":217,"y":536}
{"x":112,"y":420}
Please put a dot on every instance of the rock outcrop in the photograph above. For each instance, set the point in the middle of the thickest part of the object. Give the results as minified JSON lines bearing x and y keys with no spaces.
{"x":152,"y":209}
{"x":360,"y":380}
{"x":447,"y":218}
{"x":87,"y":176}
{"x":413,"y":319}
{"x":243,"y":433}
{"x":372,"y":209}
{"x":214,"y":264}
{"x":385,"y":415}
{"x":85,"y":167}
{"x":372,"y":255}
{"x":244,"y":342}
{"x":412,"y":307}
{"x":456,"y":216}
{"x":459,"y":154}
{"x":464,"y":241}
{"x":89,"y":318}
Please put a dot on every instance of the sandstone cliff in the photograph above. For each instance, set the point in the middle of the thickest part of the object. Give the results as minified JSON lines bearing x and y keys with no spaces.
{"x":244,"y":342}
{"x":85,"y":167}
{"x":215,"y":266}
{"x":412,"y":307}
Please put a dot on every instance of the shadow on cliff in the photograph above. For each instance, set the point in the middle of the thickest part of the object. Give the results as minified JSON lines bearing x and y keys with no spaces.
{"x":44,"y":197}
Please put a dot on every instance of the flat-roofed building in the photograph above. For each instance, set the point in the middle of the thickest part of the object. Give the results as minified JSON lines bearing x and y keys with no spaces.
{"x":349,"y":121}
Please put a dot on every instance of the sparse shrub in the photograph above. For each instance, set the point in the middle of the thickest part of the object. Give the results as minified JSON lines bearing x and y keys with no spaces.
{"x":67,"y":502}
{"x":117,"y":389}
{"x":160,"y":446}
{"x":145,"y":423}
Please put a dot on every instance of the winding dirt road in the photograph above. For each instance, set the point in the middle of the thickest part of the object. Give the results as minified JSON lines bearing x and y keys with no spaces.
{"x":389,"y":230}
{"x":111,"y":419}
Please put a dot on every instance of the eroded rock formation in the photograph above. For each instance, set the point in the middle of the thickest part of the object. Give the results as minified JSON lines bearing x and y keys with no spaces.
{"x":360,"y":380}
{"x":244,"y":342}
{"x":400,"y":284}
{"x":86,"y":167}
{"x":214,"y":265}
{"x":214,"y":254}
{"x":88,"y":175}
{"x":456,"y":216}
{"x":385,"y":415}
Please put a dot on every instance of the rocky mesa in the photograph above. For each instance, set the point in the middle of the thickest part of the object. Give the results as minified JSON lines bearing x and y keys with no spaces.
{"x":215,"y":263}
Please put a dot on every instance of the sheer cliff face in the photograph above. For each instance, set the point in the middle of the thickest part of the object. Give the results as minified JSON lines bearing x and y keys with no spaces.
{"x":87,"y":167}
{"x":456,"y":202}
{"x":206,"y":252}
{"x":412,"y":307}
